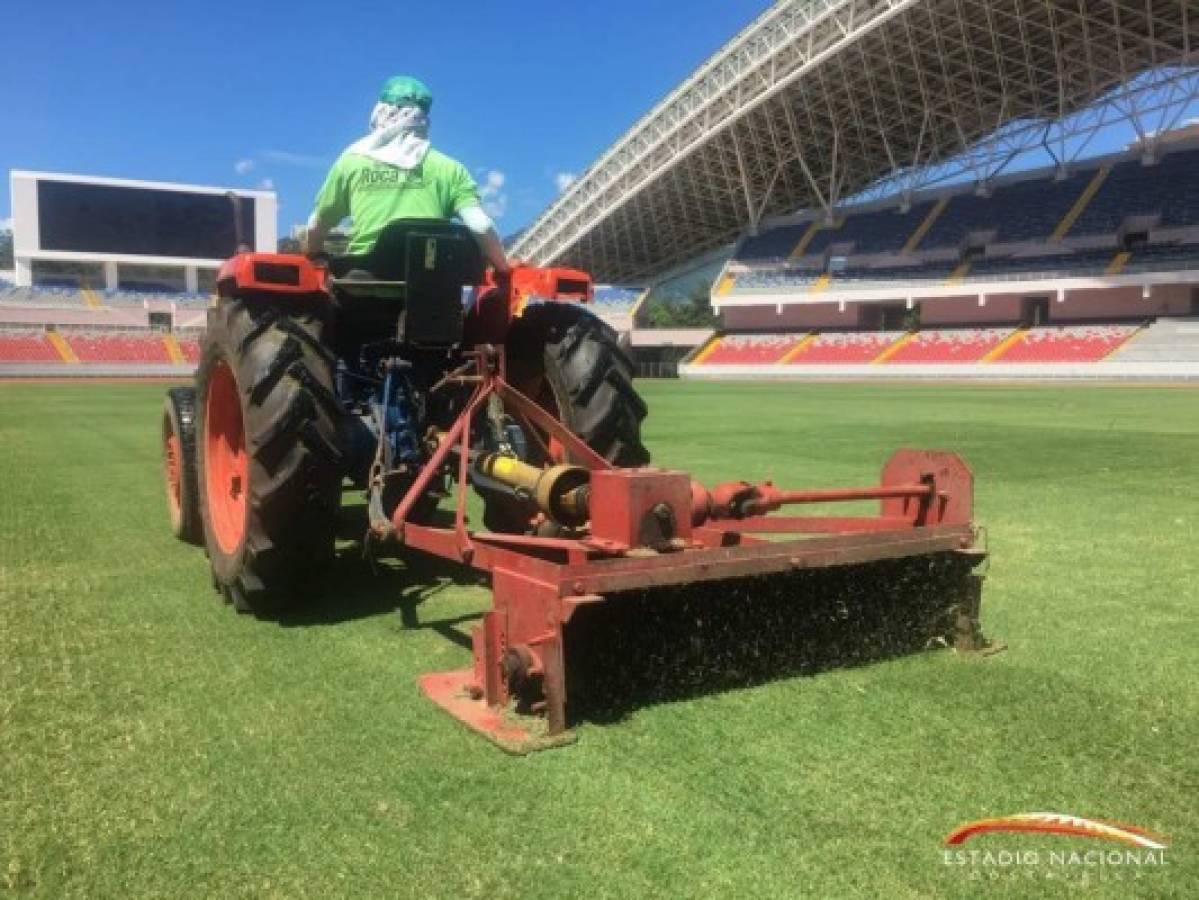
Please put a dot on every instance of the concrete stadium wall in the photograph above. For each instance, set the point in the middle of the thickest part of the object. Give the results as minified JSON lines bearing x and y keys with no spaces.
{"x":966,"y":311}
{"x":1133,"y":371}
{"x":794,"y":317}
{"x":83,"y":317}
{"x":1164,"y":300}
{"x":1125,"y":302}
{"x":94,"y":370}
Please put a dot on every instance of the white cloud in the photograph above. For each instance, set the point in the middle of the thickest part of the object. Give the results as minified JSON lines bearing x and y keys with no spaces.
{"x":304,"y":160}
{"x":267,"y":184}
{"x":243,"y":166}
{"x":493,"y":195}
{"x":563,"y":181}
{"x":6,"y":224}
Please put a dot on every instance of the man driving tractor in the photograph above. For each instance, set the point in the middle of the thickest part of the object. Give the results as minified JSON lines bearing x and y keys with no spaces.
{"x":393,"y":173}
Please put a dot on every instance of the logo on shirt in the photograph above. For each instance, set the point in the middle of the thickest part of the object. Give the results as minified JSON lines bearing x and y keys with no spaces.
{"x":391,"y":177}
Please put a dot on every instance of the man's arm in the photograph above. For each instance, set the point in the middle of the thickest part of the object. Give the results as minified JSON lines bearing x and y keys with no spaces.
{"x":483,"y":229}
{"x":332,"y":205}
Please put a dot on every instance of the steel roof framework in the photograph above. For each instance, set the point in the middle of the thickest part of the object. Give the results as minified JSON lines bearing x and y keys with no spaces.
{"x":817,"y":100}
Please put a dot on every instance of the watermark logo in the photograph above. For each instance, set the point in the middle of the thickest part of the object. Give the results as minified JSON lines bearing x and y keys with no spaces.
{"x":1057,"y":823}
{"x":1141,"y":850}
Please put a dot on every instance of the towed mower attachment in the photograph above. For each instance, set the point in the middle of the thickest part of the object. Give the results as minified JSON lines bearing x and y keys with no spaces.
{"x":662,"y":536}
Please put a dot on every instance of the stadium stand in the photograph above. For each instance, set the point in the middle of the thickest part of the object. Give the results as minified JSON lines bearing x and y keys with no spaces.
{"x":777,"y":278}
{"x":127,"y":297}
{"x":887,"y":275}
{"x":949,"y":345}
{"x":615,"y":300}
{"x":1078,"y":263}
{"x":1163,"y":257}
{"x":773,"y":244}
{"x":1114,"y":216}
{"x":998,"y":350}
{"x":1165,"y":341}
{"x":1067,"y":344}
{"x":1168,"y":188}
{"x":146,"y":347}
{"x":882,"y":231}
{"x":27,"y":347}
{"x":41,"y":296}
{"x":749,"y":349}
{"x":72,"y":297}
{"x":842,"y":348}
{"x":1023,"y":211}
{"x":190,"y":348}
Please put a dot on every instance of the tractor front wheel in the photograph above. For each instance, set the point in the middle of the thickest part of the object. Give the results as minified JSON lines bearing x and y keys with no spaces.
{"x":571,"y":363}
{"x":179,"y":464}
{"x":268,"y":458}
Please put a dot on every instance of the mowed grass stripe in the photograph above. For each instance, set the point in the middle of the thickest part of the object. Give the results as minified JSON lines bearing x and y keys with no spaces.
{"x":152,"y":742}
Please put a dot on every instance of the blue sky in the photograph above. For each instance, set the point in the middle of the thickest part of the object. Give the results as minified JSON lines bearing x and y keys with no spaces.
{"x":247,"y":94}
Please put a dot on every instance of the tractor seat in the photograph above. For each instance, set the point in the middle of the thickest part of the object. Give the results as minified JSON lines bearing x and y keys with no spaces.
{"x":417,"y":271}
{"x":413,"y":249}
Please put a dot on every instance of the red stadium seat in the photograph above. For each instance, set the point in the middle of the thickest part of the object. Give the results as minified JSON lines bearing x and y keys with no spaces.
{"x":845,"y":348}
{"x":751,"y":349}
{"x":27,"y":347}
{"x":1068,"y":344}
{"x":190,"y":350}
{"x":119,"y":348}
{"x":950,"y":345}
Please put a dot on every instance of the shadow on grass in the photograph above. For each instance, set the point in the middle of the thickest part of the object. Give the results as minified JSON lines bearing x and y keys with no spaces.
{"x":640,"y":648}
{"x":357,"y":588}
{"x":645,"y":648}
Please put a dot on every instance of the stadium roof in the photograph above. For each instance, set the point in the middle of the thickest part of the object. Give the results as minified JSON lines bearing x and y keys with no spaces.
{"x":818,"y":99}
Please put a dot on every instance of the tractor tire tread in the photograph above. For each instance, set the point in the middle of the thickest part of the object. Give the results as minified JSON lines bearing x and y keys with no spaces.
{"x":591,"y":375}
{"x":180,"y":407}
{"x":291,"y":417}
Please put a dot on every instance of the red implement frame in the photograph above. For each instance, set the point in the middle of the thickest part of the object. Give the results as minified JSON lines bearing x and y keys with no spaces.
{"x":538,"y":583}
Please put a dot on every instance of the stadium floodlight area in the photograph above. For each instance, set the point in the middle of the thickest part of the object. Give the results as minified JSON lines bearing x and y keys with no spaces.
{"x":820,"y":101}
{"x":74,"y":231}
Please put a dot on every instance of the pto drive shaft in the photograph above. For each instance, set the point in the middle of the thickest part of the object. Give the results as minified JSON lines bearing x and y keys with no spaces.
{"x":563,"y":492}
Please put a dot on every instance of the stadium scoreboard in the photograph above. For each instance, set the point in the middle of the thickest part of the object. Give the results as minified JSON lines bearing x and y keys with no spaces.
{"x":104,"y":218}
{"x":60,"y":218}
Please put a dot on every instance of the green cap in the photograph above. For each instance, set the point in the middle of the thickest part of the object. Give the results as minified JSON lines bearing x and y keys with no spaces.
{"x":403,"y":90}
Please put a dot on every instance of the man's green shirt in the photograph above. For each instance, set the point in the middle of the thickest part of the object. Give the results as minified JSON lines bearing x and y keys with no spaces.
{"x":374,"y":193}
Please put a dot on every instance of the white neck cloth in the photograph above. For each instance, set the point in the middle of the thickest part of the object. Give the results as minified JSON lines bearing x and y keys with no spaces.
{"x":399,"y":136}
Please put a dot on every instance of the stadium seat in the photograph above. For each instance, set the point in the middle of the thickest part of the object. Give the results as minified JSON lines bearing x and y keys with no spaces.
{"x":772,"y":244}
{"x":1169,"y":188}
{"x":146,"y":347}
{"x":762,"y":279}
{"x":1067,"y":344}
{"x":845,"y":347}
{"x":1021,"y":211}
{"x":190,"y":350}
{"x":751,"y":349}
{"x":26,"y":347}
{"x":950,"y":345}
{"x":876,"y":231}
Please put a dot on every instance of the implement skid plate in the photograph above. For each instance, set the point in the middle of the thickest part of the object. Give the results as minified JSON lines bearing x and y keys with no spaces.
{"x":511,"y":732}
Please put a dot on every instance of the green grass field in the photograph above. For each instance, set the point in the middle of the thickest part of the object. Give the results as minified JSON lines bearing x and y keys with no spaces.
{"x":153,"y":742}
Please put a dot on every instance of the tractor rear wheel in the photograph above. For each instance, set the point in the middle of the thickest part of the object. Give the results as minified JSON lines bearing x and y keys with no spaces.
{"x":179,"y":462}
{"x":571,"y":362}
{"x":268,"y":457}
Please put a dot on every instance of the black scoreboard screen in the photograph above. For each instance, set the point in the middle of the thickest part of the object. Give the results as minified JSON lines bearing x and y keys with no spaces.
{"x":101,"y":218}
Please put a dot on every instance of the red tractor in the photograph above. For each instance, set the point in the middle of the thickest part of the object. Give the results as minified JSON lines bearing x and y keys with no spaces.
{"x":413,"y":375}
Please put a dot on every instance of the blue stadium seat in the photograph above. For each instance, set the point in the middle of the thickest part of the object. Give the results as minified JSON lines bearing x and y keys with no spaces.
{"x":1170,"y":188}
